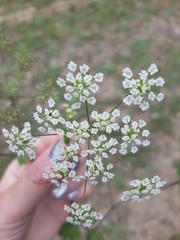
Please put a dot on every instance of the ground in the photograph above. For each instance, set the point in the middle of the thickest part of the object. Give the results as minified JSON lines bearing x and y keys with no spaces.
{"x":110,"y":36}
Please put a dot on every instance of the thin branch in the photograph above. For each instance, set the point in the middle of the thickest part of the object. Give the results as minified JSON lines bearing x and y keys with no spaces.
{"x":118,"y":104}
{"x":89,"y":140}
{"x":127,"y":166}
{"x":110,"y":194}
{"x":87,"y":113}
{"x":107,"y":213}
{"x":171,"y":184}
{"x":41,"y":135}
{"x":17,"y":116}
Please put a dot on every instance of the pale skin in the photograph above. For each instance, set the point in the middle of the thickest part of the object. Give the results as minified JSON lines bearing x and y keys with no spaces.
{"x":28,"y":209}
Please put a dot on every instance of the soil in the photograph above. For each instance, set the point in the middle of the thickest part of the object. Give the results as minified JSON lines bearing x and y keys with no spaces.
{"x":159,"y":217}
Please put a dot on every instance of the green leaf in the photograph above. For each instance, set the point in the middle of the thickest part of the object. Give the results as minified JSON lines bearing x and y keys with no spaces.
{"x":22,"y":160}
{"x":69,"y":232}
{"x":94,"y":235}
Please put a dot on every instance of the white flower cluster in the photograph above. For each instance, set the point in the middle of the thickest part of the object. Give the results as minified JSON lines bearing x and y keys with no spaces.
{"x":141,"y":189}
{"x":78,"y":130}
{"x":141,"y":89}
{"x":95,"y":168}
{"x":82,"y":213}
{"x":105,"y":122}
{"x":65,"y":163}
{"x":132,"y":135}
{"x":22,"y":142}
{"x":80,"y":86}
{"x":49,"y":117}
{"x":60,"y":173}
{"x":95,"y":133}
{"x":103,"y":146}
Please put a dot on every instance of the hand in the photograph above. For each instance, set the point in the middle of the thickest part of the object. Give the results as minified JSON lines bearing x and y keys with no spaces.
{"x":28,"y":210}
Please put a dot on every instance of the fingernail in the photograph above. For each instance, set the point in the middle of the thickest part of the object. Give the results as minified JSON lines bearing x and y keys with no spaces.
{"x":59,"y":192}
{"x":72,"y":194}
{"x":54,"y":155}
{"x":56,"y":150}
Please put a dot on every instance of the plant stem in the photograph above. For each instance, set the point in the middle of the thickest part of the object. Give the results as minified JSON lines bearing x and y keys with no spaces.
{"x":87,"y":113}
{"x":172,"y":184}
{"x":41,"y":135}
{"x":17,"y":116}
{"x":107,"y":213}
{"x":127,"y":166}
{"x":89,"y":140}
{"x":110,"y":194}
{"x":116,"y":106}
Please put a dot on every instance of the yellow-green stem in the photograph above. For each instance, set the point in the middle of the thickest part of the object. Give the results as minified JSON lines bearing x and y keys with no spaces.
{"x":89,"y":140}
{"x":116,"y":106}
{"x":127,"y":166}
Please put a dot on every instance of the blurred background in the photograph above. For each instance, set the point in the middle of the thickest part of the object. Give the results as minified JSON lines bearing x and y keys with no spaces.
{"x":108,"y":36}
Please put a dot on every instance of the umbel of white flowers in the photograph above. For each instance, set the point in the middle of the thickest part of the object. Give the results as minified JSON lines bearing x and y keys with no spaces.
{"x":141,"y":188}
{"x":93,"y":133}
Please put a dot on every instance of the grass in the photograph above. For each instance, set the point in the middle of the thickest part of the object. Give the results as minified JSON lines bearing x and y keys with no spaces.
{"x":86,"y":32}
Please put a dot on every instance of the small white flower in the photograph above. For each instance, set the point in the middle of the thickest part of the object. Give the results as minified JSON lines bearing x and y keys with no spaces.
{"x":39,"y":109}
{"x":153,"y":69}
{"x":160,"y":97}
{"x":143,"y":75}
{"x":72,"y":66}
{"x":61,"y":82}
{"x":76,"y":105}
{"x":144,"y":106}
{"x":145,"y":133}
{"x":128,"y":100}
{"x":159,"y":82}
{"x":127,"y":73}
{"x":51,"y":102}
{"x":99,"y":77}
{"x":109,"y":166}
{"x":84,"y":68}
{"x":135,"y":183}
{"x":91,"y":100}
{"x":5,"y":132}
{"x":68,"y":96}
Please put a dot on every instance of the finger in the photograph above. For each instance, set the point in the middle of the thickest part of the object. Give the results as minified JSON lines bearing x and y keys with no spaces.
{"x":53,"y":215}
{"x":45,"y":142}
{"x":11,"y":175}
{"x":58,"y":192}
{"x":28,"y":190}
{"x":14,"y":171}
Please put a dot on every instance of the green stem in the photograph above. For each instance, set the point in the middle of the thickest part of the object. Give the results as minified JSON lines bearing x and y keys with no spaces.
{"x":89,"y":140}
{"x":172,"y":184}
{"x":87,"y":113}
{"x":17,"y":116}
{"x":84,"y":193}
{"x":107,"y":213}
{"x":117,"y":105}
{"x":127,"y":166}
{"x":41,"y":135}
